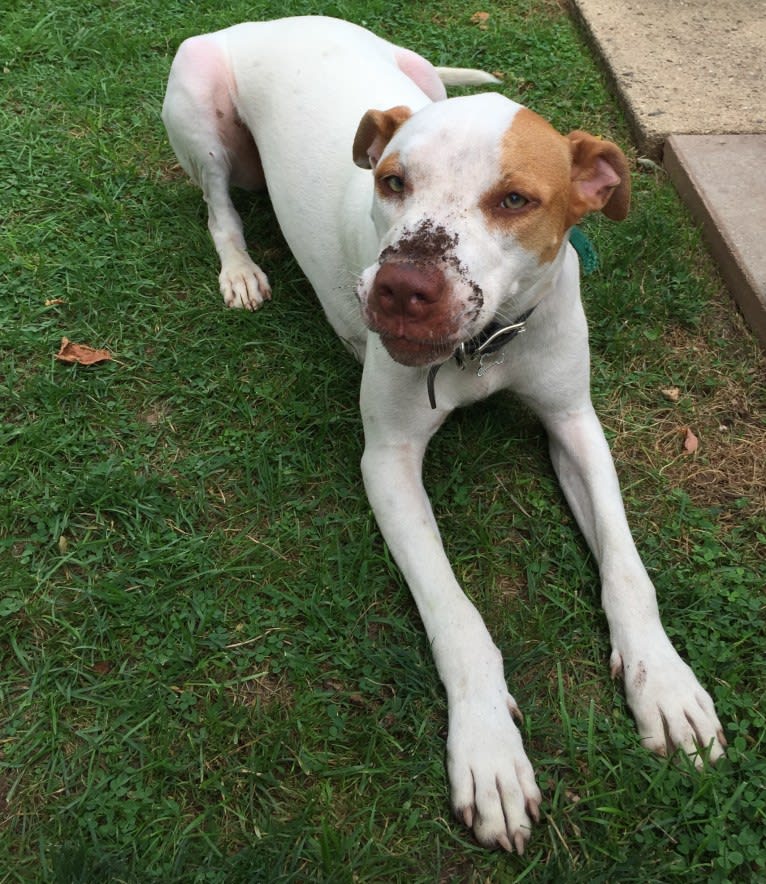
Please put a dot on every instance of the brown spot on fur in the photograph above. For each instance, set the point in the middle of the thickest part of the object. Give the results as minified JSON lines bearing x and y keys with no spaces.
{"x":563,"y":178}
{"x":639,"y":679}
{"x":387,"y":167}
{"x":535,"y":162}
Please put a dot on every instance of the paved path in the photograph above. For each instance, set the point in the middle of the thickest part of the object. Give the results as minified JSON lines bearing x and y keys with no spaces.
{"x":691,"y":75}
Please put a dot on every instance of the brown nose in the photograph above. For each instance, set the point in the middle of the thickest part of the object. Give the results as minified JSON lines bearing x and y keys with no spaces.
{"x":404,"y":292}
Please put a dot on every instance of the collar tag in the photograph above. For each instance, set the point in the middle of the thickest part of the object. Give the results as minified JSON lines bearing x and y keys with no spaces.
{"x":490,"y":343}
{"x":484,"y":366}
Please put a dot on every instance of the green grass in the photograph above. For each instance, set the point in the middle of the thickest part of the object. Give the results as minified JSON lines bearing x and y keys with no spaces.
{"x":211,"y":671}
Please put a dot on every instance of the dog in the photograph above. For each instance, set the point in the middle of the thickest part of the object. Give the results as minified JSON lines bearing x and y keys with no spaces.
{"x":435,"y":233}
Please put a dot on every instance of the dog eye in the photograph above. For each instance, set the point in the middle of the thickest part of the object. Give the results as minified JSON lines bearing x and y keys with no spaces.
{"x":394,"y":183}
{"x":514,"y":200}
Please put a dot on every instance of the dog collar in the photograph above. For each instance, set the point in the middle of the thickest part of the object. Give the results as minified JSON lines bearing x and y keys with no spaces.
{"x":495,"y":336}
{"x":491,"y":340}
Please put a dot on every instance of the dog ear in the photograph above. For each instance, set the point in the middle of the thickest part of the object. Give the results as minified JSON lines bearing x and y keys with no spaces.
{"x":375,"y":131}
{"x":600,"y":178}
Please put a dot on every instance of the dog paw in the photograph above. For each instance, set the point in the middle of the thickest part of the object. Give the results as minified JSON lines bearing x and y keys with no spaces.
{"x":243,"y":284}
{"x":493,"y":785}
{"x":671,"y":708}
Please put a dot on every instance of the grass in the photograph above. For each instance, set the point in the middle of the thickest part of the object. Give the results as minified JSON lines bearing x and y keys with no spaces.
{"x":211,"y":671}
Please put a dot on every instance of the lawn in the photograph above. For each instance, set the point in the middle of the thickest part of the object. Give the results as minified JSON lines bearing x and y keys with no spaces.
{"x":211,"y":669}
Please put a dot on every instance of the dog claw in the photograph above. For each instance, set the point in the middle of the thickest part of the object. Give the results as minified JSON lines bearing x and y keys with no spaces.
{"x":516,"y":713}
{"x":520,"y":841}
{"x":505,"y":843}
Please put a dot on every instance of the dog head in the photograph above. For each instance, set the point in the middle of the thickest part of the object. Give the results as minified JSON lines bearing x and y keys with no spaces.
{"x":473,"y":201}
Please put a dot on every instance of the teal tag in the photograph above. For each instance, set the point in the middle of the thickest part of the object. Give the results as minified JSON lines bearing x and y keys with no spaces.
{"x":584,"y":248}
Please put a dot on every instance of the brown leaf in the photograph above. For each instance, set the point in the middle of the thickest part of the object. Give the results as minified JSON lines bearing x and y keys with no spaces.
{"x":333,"y":684}
{"x":81,"y":353}
{"x":480,"y":19}
{"x":691,"y":442}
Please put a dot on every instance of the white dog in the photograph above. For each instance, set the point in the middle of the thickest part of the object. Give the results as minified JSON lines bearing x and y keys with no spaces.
{"x":428,"y":267}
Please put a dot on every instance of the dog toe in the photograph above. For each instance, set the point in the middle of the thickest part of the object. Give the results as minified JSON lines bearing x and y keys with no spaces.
{"x":672,"y":710}
{"x":244,"y":285}
{"x":494,"y":792}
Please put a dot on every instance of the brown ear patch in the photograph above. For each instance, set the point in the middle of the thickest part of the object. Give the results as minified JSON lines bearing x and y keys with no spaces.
{"x":375,"y":131}
{"x":600,"y":178}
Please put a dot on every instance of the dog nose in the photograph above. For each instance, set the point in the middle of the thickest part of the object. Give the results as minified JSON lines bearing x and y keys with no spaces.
{"x":405,"y":291}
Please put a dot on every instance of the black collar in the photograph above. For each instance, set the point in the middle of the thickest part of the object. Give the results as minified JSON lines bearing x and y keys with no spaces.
{"x":493,"y":338}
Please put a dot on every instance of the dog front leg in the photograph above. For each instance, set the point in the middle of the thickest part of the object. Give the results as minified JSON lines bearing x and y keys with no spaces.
{"x":492,"y":782}
{"x":671,"y":708}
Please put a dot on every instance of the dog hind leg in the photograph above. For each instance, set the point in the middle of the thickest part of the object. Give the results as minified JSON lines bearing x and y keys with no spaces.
{"x":216,"y":150}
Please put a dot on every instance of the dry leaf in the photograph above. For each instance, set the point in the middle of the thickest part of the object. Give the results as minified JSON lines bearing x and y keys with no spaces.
{"x":481,"y":19}
{"x":80,"y":353}
{"x":691,"y":442}
{"x":672,"y":394}
{"x":53,"y":302}
{"x":333,"y":684}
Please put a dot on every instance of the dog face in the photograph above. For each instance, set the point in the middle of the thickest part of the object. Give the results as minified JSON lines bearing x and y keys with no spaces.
{"x":472,"y":203}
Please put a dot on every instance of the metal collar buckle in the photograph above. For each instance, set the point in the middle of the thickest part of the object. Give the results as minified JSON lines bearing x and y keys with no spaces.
{"x":490,"y":341}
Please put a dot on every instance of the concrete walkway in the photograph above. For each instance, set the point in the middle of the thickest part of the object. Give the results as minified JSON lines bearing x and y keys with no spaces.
{"x":691,"y":75}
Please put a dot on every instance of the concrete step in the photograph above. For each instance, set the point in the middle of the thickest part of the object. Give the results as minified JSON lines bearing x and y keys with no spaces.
{"x":690,"y":75}
{"x":722,"y":179}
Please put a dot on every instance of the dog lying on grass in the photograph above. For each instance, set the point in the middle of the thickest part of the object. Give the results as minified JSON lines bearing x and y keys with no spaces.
{"x":453,"y":215}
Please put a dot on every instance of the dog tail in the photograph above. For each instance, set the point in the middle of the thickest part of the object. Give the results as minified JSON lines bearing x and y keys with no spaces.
{"x":465,"y":77}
